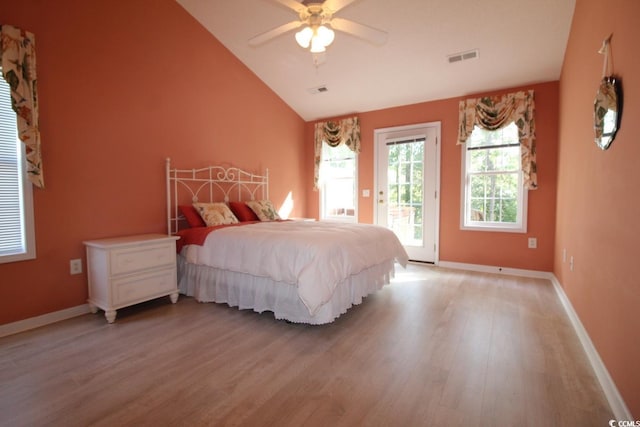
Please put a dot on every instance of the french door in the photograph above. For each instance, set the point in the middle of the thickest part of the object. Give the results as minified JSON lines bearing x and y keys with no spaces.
{"x":407,"y":184}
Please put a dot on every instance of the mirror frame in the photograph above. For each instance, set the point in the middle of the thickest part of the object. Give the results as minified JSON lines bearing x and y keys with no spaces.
{"x":608,"y":101}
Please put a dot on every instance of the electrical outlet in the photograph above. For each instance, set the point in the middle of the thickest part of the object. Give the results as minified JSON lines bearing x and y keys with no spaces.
{"x":75,"y":266}
{"x":533,"y":243}
{"x":571,"y":263}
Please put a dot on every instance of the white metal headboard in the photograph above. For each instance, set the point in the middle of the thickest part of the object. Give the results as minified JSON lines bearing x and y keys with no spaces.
{"x":210,"y":184}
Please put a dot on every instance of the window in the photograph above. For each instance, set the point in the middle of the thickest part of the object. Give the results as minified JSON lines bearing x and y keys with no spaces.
{"x":338,"y":186}
{"x":17,"y":240}
{"x":494,"y":195}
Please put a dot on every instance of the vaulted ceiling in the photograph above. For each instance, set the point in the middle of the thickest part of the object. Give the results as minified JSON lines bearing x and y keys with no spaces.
{"x":519,"y":42}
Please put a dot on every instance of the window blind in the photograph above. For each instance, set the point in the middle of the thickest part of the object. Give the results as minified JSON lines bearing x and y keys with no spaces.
{"x":12,"y":231}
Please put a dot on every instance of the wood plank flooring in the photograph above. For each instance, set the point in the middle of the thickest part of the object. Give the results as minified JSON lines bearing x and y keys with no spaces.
{"x":438,"y":347}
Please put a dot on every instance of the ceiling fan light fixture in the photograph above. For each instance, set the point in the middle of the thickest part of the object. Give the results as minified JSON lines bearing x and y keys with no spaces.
{"x":317,"y":46}
{"x":304,"y":36}
{"x":325,"y":35}
{"x":318,"y":39}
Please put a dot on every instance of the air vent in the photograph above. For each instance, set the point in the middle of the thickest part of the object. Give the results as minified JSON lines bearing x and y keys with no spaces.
{"x":319,"y":89}
{"x":463,"y":56}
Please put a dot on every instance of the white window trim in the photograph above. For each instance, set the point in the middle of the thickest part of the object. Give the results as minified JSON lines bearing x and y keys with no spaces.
{"x":490,"y":226}
{"x":26,"y":190}
{"x":28,"y":217}
{"x":350,"y":219}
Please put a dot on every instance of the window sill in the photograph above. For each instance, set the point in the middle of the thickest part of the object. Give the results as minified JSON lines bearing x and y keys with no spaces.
{"x":495,"y":228}
{"x":4,"y":259}
{"x":350,"y":219}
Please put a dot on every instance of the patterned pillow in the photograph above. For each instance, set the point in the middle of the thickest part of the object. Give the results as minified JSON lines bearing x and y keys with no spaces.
{"x":215,"y":213}
{"x":264,"y":209}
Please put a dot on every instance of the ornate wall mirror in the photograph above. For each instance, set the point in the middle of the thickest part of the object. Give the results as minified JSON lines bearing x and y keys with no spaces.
{"x":607,"y":111}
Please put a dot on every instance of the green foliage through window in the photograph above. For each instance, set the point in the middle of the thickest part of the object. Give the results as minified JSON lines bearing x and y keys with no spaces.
{"x":405,"y":189}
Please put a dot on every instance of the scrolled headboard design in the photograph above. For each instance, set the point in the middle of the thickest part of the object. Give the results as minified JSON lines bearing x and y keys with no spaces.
{"x":210,"y":184}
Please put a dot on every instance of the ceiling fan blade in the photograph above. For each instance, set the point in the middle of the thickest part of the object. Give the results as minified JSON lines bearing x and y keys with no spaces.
{"x":336,"y":5}
{"x":370,"y":34}
{"x":292,"y":4}
{"x":282,"y":29}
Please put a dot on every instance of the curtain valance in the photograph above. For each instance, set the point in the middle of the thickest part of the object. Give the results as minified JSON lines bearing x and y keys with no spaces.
{"x":334,"y":133}
{"x":18,"y":59}
{"x":493,"y":113}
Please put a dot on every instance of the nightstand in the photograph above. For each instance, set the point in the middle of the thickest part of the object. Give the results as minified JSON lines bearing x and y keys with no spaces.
{"x":123,"y":271}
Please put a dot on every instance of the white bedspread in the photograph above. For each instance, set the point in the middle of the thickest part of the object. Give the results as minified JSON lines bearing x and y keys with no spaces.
{"x":314,"y":256}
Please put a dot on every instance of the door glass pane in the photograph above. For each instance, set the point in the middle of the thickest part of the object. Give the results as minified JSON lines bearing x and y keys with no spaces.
{"x":404,"y":191}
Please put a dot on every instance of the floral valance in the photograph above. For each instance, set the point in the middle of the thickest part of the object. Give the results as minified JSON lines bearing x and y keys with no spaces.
{"x":18,"y":60}
{"x":334,"y":133}
{"x":493,"y":113}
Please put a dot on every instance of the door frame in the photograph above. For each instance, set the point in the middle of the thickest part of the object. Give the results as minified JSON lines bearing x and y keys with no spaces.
{"x":402,"y":130}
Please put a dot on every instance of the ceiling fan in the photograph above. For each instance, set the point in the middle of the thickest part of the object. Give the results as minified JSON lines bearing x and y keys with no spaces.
{"x":318,"y":22}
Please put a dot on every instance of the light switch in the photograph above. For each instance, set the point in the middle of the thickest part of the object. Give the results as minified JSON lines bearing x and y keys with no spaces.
{"x":366,"y":193}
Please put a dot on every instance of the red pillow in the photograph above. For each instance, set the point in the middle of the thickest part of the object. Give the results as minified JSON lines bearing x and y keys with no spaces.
{"x":243,"y":212}
{"x":192,"y":216}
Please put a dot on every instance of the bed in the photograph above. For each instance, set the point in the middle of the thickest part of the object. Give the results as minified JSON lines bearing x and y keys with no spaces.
{"x":302,"y":271}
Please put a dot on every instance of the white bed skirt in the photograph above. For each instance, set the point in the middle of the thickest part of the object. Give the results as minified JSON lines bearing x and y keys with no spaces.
{"x":207,"y":284}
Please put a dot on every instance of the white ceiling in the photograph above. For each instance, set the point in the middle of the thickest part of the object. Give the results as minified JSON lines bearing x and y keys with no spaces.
{"x":520,"y":42}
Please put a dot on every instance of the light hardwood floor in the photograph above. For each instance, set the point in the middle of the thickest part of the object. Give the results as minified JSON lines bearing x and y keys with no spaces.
{"x":436,"y":348}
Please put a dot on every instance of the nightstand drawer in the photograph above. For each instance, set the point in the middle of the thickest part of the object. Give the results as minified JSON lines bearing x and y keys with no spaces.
{"x":140,"y":287}
{"x":129,"y":260}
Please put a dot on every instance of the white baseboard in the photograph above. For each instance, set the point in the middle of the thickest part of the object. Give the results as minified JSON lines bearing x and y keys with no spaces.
{"x":45,"y":319}
{"x":619,"y":408}
{"x":496,"y":269}
{"x":616,"y":402}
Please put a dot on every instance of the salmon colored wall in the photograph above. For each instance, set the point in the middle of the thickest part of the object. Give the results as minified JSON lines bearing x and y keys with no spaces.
{"x":598,"y":204}
{"x":123,"y":85}
{"x":472,"y":247}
